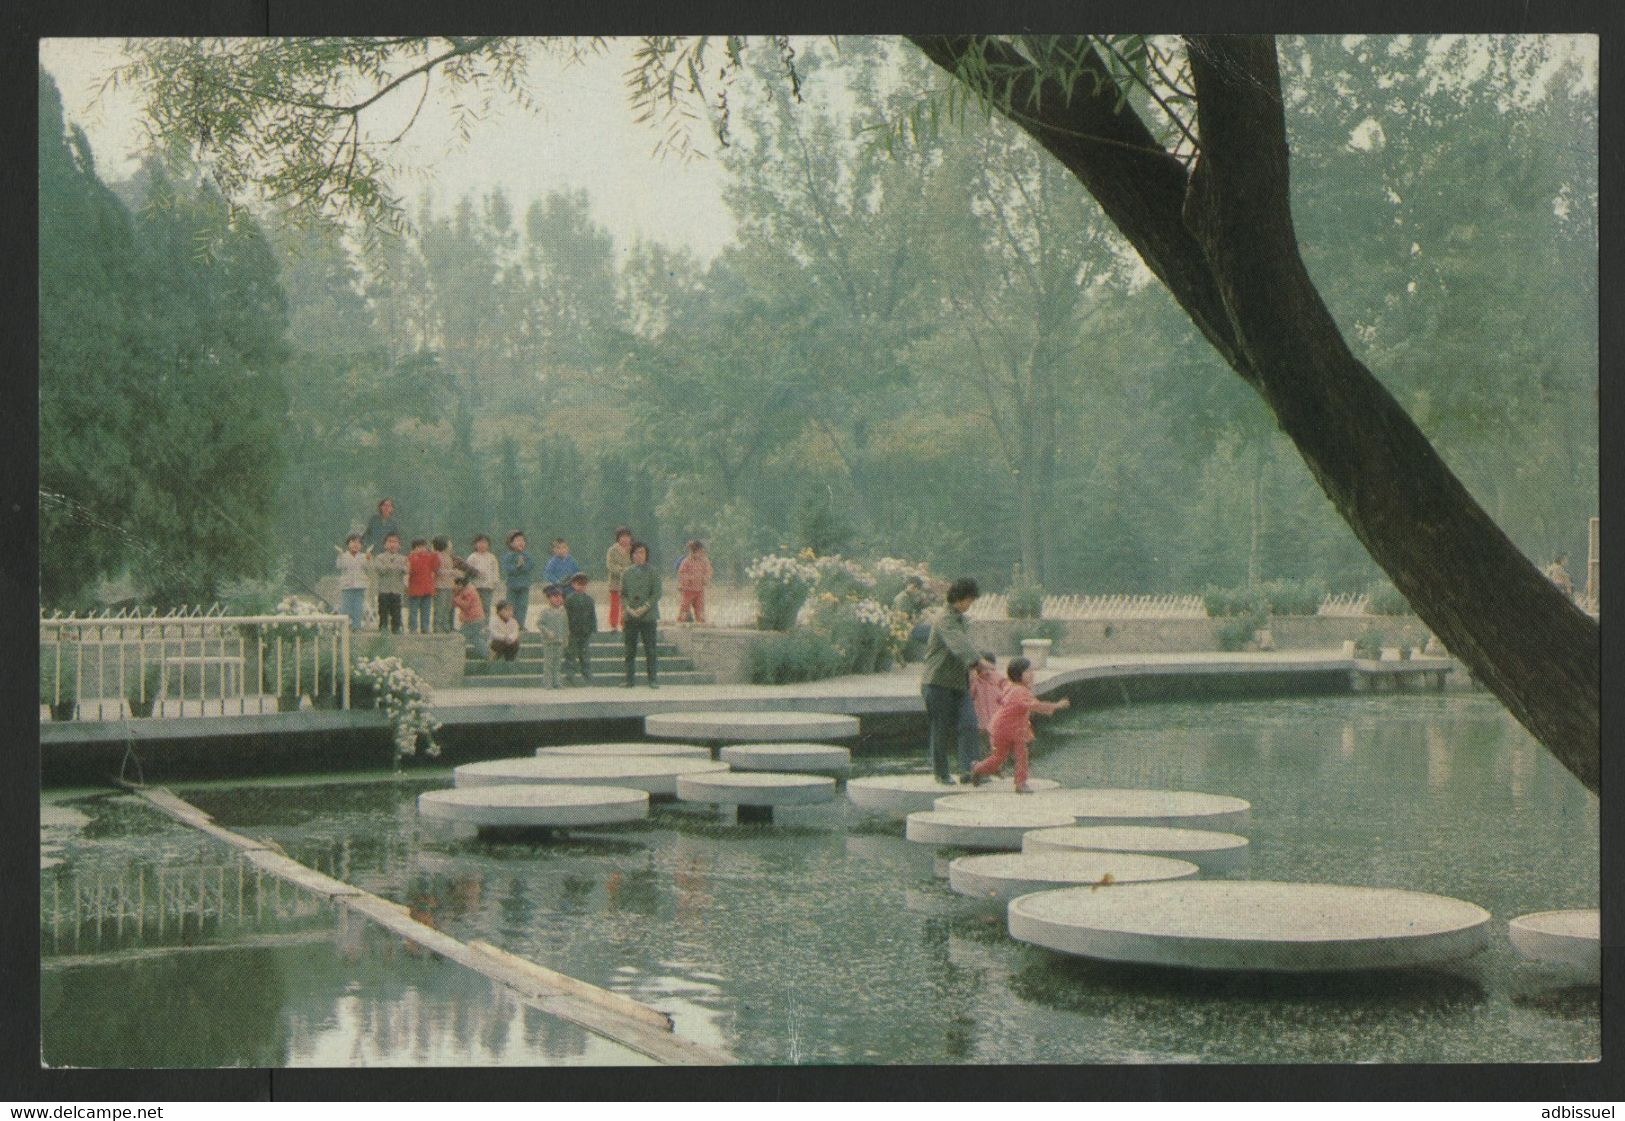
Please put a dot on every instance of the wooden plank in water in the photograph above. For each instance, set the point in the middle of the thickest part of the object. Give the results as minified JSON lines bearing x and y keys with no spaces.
{"x":298,"y":875}
{"x":173,"y":806}
{"x":636,"y":1034}
{"x":550,"y":979}
{"x":638,"y":1028}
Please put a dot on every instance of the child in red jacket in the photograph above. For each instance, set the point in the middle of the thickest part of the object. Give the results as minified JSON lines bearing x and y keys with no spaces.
{"x":422,"y":566}
{"x":1011,"y":728}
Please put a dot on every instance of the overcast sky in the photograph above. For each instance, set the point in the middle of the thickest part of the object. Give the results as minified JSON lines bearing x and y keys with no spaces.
{"x":582,"y":135}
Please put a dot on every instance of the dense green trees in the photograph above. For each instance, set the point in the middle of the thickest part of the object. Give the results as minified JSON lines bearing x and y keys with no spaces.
{"x":161,"y":380}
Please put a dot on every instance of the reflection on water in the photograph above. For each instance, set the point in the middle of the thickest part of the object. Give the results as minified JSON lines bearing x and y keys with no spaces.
{"x":827,"y":938}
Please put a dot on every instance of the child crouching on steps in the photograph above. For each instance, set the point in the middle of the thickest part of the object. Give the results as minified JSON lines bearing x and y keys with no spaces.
{"x":1011,"y":728}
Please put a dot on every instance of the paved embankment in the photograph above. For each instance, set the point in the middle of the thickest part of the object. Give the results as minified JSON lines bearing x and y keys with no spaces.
{"x":486,"y":721}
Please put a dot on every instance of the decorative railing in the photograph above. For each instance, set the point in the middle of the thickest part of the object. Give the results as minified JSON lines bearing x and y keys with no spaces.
{"x":1082,"y":608}
{"x":190,"y":662}
{"x":1345,"y":606}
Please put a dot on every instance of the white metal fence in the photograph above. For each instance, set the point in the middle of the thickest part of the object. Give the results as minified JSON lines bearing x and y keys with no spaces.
{"x":192,"y":662}
{"x":1076,"y":608}
{"x":1345,"y":606}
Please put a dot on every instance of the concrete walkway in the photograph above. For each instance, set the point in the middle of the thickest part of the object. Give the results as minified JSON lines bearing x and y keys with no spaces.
{"x":895,"y":692}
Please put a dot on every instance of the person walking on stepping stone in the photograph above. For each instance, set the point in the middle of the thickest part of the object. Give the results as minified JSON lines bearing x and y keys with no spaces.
{"x":945,"y":684}
{"x":1011,"y":728}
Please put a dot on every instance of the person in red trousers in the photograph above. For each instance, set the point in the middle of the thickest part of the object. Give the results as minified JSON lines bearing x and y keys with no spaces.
{"x":1011,"y":728}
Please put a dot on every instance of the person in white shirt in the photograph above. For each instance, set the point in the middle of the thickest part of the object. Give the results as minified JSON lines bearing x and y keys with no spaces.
{"x":504,"y":633}
{"x":486,"y":569}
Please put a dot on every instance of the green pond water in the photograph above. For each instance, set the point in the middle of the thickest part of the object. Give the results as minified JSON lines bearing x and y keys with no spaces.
{"x":825,"y":937}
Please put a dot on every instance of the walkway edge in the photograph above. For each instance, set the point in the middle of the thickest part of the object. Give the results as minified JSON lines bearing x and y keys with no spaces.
{"x":617,"y":1018}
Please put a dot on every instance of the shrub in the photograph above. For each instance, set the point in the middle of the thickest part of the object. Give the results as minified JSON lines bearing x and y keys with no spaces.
{"x":800,"y":655}
{"x":891,"y":577}
{"x":1236,"y":633}
{"x":782,"y":586}
{"x":1294,"y":597}
{"x":405,"y":699}
{"x":59,"y":686}
{"x":843,"y":578}
{"x":1025,"y":599}
{"x":141,"y":689}
{"x":1386,"y":600}
{"x":1368,"y":644}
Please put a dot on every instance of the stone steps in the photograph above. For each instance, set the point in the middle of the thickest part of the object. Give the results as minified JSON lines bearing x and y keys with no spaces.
{"x":606,"y":659}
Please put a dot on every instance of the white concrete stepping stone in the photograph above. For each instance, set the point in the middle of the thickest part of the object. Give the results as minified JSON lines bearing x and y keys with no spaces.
{"x":530,"y":806}
{"x":819,"y":758}
{"x":1212,"y":852}
{"x":626,"y":750}
{"x":1105,"y":806}
{"x":980,"y":829}
{"x":1252,"y":925}
{"x":654,"y":775}
{"x":1005,"y":875}
{"x":1571,"y":938}
{"x":906,"y":794}
{"x":750,"y":727}
{"x":755,"y":793}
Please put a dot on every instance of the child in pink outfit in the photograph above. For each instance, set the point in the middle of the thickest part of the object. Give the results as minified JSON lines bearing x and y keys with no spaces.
{"x":987,"y":689}
{"x":1011,"y":728}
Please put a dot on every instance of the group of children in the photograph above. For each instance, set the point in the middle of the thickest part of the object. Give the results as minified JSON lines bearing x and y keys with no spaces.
{"x":442,"y":591}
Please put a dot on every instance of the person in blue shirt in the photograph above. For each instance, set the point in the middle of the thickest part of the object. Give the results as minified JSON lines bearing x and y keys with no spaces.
{"x":561,"y":566}
{"x":518,"y":573}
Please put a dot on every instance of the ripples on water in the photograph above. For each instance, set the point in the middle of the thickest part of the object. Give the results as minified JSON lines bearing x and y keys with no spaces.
{"x":828,"y":938}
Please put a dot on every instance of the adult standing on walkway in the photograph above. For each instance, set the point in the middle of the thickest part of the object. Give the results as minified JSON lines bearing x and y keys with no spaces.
{"x":640,"y":601}
{"x":945,"y":684}
{"x":617,"y":561}
{"x":380,"y":526}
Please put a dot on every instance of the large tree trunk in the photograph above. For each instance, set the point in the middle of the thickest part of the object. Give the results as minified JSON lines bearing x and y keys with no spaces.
{"x":1222,"y":241}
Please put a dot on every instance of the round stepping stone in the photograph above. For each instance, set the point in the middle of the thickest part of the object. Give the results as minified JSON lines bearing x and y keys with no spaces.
{"x":627,"y":750}
{"x":906,"y":794}
{"x":534,"y":807}
{"x":749,"y":727}
{"x":1005,"y":875}
{"x":754,"y":794}
{"x":820,"y":758}
{"x":654,"y":775}
{"x":761,"y":788}
{"x":1096,"y":806}
{"x":1211,"y":852}
{"x":981,"y":829}
{"x":1572,"y":938}
{"x":1252,"y":925}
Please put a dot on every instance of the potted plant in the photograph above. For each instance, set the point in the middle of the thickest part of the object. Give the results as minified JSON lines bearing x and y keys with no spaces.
{"x":59,"y":685}
{"x":320,"y":678}
{"x":142,"y":689}
{"x":405,"y":699}
{"x":287,"y":691}
{"x":1369,"y":645}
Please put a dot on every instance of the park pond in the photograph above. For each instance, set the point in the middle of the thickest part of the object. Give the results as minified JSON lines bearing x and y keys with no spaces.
{"x":825,"y":937}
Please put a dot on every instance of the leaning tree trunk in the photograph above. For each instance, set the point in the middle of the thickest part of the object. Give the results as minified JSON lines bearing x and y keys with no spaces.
{"x":1222,"y":241}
